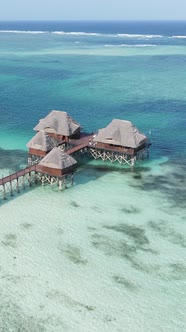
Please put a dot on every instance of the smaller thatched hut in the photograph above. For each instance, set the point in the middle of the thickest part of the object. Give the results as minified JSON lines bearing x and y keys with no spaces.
{"x":60,"y":125}
{"x":39,"y":146}
{"x":57,"y":163}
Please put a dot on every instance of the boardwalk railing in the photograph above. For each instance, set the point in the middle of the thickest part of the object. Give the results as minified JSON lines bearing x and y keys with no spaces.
{"x":18,"y":174}
{"x":18,"y":180}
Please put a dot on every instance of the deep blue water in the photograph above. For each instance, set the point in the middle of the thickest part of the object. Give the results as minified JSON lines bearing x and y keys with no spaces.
{"x":96,"y":71}
{"x":167,"y":28}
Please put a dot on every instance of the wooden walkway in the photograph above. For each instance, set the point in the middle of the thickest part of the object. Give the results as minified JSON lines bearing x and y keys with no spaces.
{"x":18,"y":180}
{"x":18,"y":174}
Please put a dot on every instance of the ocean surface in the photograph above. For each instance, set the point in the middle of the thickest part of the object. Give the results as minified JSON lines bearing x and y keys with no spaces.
{"x":107,"y":254}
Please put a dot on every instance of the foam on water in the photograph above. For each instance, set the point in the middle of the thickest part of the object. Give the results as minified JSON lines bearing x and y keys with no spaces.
{"x":138,"y":36}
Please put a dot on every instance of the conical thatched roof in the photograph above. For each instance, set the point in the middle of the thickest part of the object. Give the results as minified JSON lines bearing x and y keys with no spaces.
{"x":122,"y":133}
{"x":57,"y":159}
{"x":42,"y":141}
{"x":58,"y":122}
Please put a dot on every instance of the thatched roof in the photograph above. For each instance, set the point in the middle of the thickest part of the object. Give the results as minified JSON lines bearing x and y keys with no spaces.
{"x":57,"y":159}
{"x":42,"y":141}
{"x":122,"y":133}
{"x":58,"y":122}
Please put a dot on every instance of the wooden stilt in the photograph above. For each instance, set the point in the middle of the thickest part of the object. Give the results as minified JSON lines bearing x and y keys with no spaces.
{"x":72,"y":179}
{"x":36,"y":178}
{"x":24,"y":182}
{"x":11,"y":190}
{"x":17,"y":185}
{"x":65,"y":181}
{"x":60,"y":184}
{"x":29,"y":179}
{"x":4,"y":191}
{"x":43,"y":180}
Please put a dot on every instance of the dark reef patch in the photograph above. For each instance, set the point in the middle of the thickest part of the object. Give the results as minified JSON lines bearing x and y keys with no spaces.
{"x":108,"y":319}
{"x":26,"y":225}
{"x":172,"y":271}
{"x":74,"y":254}
{"x":12,"y":159}
{"x":90,"y":228}
{"x":74,"y":204}
{"x":10,"y":240}
{"x":178,"y":271}
{"x":135,"y":233}
{"x":172,"y":184}
{"x":123,"y":249}
{"x":133,"y":241}
{"x":165,"y":231}
{"x":60,"y":296}
{"x":137,"y":176}
{"x":96,"y":208}
{"x":130,"y":209}
{"x":130,"y":285}
{"x":13,"y":319}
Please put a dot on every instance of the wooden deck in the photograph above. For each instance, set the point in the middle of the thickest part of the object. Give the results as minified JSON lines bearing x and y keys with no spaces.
{"x":78,"y":144}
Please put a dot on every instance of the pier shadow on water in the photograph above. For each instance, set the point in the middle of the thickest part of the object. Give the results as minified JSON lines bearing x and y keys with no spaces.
{"x":94,"y":169}
{"x":88,"y":170}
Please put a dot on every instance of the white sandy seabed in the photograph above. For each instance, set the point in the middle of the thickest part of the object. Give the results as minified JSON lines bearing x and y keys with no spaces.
{"x":105,"y":255}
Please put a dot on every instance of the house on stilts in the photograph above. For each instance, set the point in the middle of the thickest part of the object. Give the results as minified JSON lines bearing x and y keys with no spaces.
{"x":56,"y":166}
{"x":120,"y":141}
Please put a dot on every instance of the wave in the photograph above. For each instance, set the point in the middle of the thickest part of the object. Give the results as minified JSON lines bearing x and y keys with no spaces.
{"x":72,"y":33}
{"x":22,"y":31}
{"x":82,"y":33}
{"x":126,"y":35}
{"x":131,"y":46}
{"x":94,"y":34}
{"x":76,"y":33}
{"x":179,"y":37}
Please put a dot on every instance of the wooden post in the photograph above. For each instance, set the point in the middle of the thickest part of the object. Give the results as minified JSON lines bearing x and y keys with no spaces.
{"x":11,"y":190}
{"x":36,"y":179}
{"x":4,"y":191}
{"x":29,"y":179}
{"x":72,"y":179}
{"x":51,"y":181}
{"x":60,"y":184}
{"x":65,"y":180}
{"x":17,"y":184}
{"x":42,"y":180}
{"x":23,"y":182}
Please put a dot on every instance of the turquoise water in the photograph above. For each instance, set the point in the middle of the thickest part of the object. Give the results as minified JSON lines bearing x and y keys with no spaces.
{"x":107,"y":254}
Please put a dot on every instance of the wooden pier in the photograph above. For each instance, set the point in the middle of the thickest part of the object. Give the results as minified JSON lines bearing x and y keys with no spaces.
{"x":18,"y":180}
{"x":29,"y":176}
{"x":58,"y":138}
